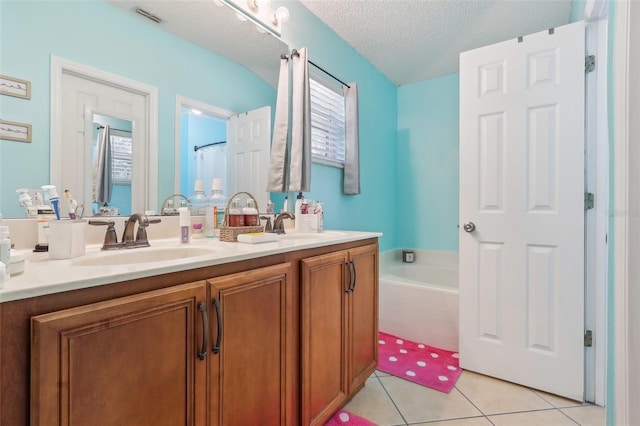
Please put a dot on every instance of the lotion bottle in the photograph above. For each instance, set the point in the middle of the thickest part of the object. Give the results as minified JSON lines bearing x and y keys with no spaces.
{"x":185,"y":225}
{"x":250,"y":214}
{"x":298,"y":210}
{"x":236,"y":215}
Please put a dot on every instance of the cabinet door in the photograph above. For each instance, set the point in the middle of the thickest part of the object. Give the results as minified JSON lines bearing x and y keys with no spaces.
{"x":251,"y":367}
{"x":323,"y":336}
{"x":363,"y":314}
{"x":129,"y":361}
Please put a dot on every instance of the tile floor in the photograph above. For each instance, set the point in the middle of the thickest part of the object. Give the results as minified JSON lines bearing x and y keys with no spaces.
{"x":476,"y":400}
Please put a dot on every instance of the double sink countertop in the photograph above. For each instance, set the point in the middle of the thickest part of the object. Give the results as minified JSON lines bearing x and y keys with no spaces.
{"x":43,"y":276}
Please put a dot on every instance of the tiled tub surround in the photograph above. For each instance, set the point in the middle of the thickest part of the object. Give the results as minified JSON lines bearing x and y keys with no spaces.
{"x":419,"y":301}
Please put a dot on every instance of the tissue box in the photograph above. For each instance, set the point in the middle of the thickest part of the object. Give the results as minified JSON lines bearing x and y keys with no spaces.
{"x":67,"y":238}
{"x":308,"y":223}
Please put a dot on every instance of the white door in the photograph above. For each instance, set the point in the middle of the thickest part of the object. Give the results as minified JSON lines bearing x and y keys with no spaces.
{"x":522,"y":186}
{"x":84,"y":97}
{"x":248,"y":154}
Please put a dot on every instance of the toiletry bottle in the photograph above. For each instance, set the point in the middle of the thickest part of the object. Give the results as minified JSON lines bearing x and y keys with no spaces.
{"x":297,"y":210}
{"x":304,"y":208}
{"x":285,"y":204}
{"x":73,"y":204}
{"x":269,"y":206}
{"x":25,"y":201}
{"x":198,"y":212}
{"x":236,"y":215}
{"x":215,"y":210}
{"x":318,"y":211}
{"x":51,"y":196}
{"x":5,"y":249}
{"x":185,"y":224}
{"x":250,"y":214}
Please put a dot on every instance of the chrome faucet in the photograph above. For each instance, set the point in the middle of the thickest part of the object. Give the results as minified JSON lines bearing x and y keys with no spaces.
{"x":141,"y":236}
{"x":278,"y":225}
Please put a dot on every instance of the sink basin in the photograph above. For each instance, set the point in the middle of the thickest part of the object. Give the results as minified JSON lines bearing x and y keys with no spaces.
{"x":141,"y":255}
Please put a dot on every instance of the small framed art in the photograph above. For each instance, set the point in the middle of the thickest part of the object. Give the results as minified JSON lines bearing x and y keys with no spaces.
{"x":13,"y":131}
{"x":15,"y":87}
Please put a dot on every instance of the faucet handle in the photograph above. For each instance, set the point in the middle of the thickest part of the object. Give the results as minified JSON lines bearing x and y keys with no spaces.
{"x":141,"y":235}
{"x":267,"y":226}
{"x":110,"y":237}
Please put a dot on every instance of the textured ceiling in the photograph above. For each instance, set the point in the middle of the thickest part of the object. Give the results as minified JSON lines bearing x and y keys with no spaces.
{"x":406,"y":40}
{"x":215,"y":28}
{"x":414,"y":40}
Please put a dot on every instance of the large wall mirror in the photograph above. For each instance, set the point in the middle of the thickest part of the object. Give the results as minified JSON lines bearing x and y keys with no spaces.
{"x":201,"y":51}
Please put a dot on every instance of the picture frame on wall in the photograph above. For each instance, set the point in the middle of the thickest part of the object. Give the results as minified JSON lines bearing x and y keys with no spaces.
{"x":12,"y":86}
{"x":13,"y":131}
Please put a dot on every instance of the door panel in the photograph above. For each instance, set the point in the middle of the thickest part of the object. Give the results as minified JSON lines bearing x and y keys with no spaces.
{"x":522,"y":185}
{"x":248,"y":153}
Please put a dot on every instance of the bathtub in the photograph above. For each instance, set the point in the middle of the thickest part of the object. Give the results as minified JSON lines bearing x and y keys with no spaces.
{"x":419,"y":301}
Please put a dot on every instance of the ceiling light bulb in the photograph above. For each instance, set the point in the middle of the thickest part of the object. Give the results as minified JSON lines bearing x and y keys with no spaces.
{"x":281,"y":16}
{"x":262,"y":4}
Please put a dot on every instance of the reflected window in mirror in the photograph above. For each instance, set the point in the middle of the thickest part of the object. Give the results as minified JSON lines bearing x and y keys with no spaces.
{"x":121,"y":142}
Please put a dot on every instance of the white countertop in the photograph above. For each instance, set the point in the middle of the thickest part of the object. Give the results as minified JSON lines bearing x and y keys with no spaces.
{"x":45,"y":276}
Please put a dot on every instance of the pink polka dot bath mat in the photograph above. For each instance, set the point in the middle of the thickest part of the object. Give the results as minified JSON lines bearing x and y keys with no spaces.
{"x":428,"y":366}
{"x":344,"y":417}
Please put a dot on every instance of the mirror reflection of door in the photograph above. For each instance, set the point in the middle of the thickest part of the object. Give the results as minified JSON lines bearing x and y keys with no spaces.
{"x":120,"y":138}
{"x":203,"y":149}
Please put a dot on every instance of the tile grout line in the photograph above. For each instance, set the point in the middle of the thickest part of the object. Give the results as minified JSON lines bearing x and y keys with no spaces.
{"x":392,"y":401}
{"x":474,"y":405}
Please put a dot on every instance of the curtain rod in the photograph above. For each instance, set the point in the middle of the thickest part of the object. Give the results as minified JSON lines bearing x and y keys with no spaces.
{"x":196,"y":148}
{"x":294,"y":52}
{"x":119,"y":130}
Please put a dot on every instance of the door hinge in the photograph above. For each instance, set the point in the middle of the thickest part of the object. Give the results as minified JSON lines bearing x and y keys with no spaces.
{"x":588,"y":338}
{"x":589,"y":200}
{"x":589,"y":63}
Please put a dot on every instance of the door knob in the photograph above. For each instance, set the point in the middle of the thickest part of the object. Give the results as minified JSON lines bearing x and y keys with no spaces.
{"x":469,"y":226}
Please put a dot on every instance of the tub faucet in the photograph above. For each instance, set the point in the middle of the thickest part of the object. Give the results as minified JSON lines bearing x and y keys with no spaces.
{"x":141,"y":237}
{"x":278,"y":225}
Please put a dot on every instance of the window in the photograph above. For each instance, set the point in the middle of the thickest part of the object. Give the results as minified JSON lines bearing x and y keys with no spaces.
{"x":327,"y":123}
{"x":121,"y":150}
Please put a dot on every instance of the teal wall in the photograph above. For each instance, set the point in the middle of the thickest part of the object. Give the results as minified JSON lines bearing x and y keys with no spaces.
{"x":375,"y":209}
{"x":427,"y":164}
{"x":93,"y":33}
{"x":127,"y":46}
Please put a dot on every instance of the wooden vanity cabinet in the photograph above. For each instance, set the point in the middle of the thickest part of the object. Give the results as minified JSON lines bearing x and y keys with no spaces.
{"x":287,"y":338}
{"x":135,"y":360}
{"x":339,"y":328}
{"x":252,"y":349}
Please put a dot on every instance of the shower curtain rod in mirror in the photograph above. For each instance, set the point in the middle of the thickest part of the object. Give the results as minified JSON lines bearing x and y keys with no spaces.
{"x":294,"y":52}
{"x":117,"y":130}
{"x":196,"y":148}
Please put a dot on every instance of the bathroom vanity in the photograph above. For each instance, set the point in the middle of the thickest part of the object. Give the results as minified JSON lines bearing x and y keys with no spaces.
{"x":217,"y":333}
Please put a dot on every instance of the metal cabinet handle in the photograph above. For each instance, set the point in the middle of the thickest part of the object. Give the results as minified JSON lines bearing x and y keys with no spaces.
{"x":469,"y":226}
{"x":348,"y":290}
{"x":353,"y":274}
{"x":216,"y":347}
{"x":205,"y":331}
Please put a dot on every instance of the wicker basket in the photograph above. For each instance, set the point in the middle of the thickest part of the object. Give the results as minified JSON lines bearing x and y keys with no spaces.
{"x":230,"y":233}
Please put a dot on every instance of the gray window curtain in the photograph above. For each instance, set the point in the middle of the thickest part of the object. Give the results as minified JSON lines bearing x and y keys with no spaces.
{"x":300,"y":164}
{"x":351,"y":184}
{"x":103,"y":175}
{"x":278,"y":168}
